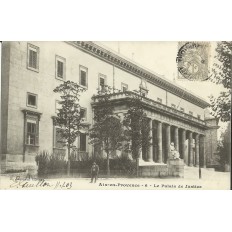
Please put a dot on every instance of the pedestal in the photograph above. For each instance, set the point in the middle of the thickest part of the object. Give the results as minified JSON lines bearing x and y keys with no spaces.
{"x":176,"y":167}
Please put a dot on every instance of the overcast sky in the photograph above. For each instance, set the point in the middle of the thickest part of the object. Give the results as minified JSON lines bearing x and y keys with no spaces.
{"x":160,"y":57}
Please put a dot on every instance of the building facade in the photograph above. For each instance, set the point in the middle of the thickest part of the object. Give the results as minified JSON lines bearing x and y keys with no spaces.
{"x":31,"y":71}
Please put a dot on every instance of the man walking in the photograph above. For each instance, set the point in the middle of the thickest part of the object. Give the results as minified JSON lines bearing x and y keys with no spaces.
{"x":94,"y":172}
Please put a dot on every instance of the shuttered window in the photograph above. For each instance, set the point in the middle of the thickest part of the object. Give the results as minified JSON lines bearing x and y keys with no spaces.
{"x":33,"y":57}
{"x":60,"y":69}
{"x":31,"y":133}
{"x":32,"y":100}
{"x":102,"y":81}
{"x":83,"y":78}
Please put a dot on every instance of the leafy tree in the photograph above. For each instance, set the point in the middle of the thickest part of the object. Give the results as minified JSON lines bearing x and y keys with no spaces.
{"x":68,"y":116}
{"x":222,"y":74}
{"x":224,"y":147}
{"x":137,"y":129}
{"x":107,"y":130}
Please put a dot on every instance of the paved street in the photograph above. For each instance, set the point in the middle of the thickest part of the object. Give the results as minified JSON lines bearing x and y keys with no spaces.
{"x":210,"y":180}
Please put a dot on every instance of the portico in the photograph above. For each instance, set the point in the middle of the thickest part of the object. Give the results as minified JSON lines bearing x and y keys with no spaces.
{"x":168,"y":125}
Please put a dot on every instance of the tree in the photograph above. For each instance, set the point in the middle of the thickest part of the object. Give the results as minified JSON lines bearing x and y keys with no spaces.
{"x":68,"y":116}
{"x":222,"y":74}
{"x":137,"y":129}
{"x":107,"y":130}
{"x":224,"y":147}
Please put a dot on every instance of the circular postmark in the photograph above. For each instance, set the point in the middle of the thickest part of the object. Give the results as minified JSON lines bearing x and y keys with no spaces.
{"x":192,"y":61}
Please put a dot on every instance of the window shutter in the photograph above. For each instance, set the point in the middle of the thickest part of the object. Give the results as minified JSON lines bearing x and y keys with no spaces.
{"x":102,"y":81}
{"x":60,"y":69}
{"x":83,"y":78}
{"x":33,"y":59}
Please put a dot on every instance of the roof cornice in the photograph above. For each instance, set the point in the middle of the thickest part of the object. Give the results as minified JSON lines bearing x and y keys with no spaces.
{"x":126,"y":65}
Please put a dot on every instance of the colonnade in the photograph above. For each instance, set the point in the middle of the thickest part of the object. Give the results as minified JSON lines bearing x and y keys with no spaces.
{"x":189,"y":144}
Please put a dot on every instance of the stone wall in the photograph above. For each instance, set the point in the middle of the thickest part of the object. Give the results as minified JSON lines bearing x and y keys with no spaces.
{"x":211,"y":142}
{"x":173,"y":168}
{"x":176,"y":168}
{"x":153,"y":171}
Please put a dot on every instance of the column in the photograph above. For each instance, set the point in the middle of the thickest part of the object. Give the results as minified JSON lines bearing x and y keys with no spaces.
{"x":202,"y":151}
{"x":168,"y":140}
{"x":150,"y":149}
{"x":176,"y":139}
{"x":190,"y":155}
{"x":197,"y":150}
{"x":159,"y":135}
{"x":183,"y":139}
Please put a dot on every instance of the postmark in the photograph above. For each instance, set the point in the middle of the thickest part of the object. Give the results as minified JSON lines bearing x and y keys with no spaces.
{"x":192,"y":61}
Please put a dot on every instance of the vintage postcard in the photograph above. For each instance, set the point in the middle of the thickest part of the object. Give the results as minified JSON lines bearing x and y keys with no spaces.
{"x":115,"y":115}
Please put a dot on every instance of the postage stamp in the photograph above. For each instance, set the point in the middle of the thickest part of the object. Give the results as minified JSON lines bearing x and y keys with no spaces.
{"x":192,"y":60}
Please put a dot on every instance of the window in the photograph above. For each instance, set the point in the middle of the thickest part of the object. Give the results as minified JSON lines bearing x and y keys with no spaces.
{"x":32,"y":100}
{"x":173,"y":106}
{"x":190,"y":112}
{"x":83,"y":76}
{"x":159,"y":100}
{"x":181,"y":109}
{"x":31,"y":132}
{"x":59,"y":140}
{"x":199,"y":116}
{"x":124,"y":87}
{"x":32,"y":57}
{"x":60,"y":68}
{"x":82,"y":142}
{"x":102,"y":81}
{"x":83,"y":114}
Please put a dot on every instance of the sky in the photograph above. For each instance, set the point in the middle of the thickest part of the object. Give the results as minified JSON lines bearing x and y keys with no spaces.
{"x":160,"y":57}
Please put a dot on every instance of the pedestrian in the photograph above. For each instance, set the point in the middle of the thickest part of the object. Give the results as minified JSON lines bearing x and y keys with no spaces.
{"x":94,"y":172}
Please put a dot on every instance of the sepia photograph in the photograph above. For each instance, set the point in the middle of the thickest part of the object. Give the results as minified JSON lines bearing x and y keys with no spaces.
{"x":115,"y":115}
{"x":122,"y":109}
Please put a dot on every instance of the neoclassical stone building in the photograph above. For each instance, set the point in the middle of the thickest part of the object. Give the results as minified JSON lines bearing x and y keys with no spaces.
{"x":30,"y":72}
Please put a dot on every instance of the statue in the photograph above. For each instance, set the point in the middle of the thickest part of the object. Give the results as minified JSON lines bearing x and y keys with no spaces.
{"x":174,"y":153}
